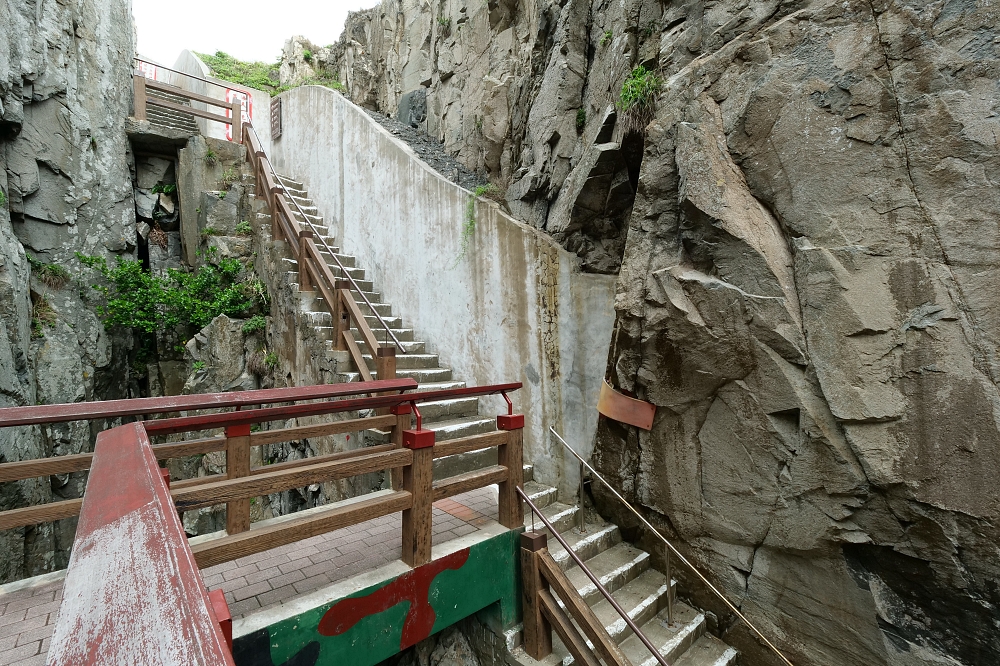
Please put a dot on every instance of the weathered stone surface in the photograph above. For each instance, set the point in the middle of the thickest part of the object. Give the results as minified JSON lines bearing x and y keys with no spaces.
{"x":808,"y":296}
{"x":65,"y":88}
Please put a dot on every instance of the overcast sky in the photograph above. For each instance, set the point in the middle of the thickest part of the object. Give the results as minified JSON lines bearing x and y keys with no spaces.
{"x":249,"y":30}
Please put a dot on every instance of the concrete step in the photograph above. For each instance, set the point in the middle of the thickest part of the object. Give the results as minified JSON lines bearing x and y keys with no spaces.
{"x":460,"y":463}
{"x":425,"y":374}
{"x":288,"y":182}
{"x":707,"y":651}
{"x":407,"y":361}
{"x":384,"y":309}
{"x":670,"y":641}
{"x":529,"y":473}
{"x":292,"y":266}
{"x":378,"y":327}
{"x":541,"y":495}
{"x":615,"y":567}
{"x":349,"y":261}
{"x":444,"y":410}
{"x":593,"y":540}
{"x":440,"y":386}
{"x":462,"y":427}
{"x":562,"y":516}
{"x":642,"y":598}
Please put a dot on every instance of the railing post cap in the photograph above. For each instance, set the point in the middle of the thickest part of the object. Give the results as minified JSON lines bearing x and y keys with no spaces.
{"x":510,"y":421}
{"x":385,"y":351}
{"x":533,"y":541}
{"x":239,"y":430}
{"x":306,"y":233}
{"x":342,"y":284}
{"x":400,"y":410}
{"x":418,"y":439}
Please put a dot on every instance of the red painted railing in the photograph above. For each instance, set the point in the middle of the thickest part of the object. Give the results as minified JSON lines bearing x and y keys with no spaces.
{"x":133,"y":593}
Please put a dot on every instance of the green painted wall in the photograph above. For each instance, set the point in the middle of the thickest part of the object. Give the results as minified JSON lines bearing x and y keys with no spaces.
{"x":490,"y":575}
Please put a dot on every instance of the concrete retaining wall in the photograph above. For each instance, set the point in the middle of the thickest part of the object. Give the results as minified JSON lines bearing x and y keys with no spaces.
{"x":513,"y":308}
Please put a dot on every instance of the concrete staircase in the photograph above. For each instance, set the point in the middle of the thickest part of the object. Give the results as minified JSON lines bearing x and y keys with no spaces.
{"x":624,"y":570}
{"x":450,"y":419}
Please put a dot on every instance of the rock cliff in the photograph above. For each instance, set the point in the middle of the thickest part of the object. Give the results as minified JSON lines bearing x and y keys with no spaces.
{"x":65,"y":89}
{"x":807,"y":236}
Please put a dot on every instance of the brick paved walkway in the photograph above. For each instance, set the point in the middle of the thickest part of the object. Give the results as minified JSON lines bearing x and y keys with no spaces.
{"x":28,"y":608}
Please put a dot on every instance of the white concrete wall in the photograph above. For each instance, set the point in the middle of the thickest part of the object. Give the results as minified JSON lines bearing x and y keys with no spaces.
{"x":189,"y":63}
{"x":514,"y":308}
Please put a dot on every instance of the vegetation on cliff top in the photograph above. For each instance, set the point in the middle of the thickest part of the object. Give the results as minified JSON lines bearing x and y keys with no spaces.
{"x":261,"y":75}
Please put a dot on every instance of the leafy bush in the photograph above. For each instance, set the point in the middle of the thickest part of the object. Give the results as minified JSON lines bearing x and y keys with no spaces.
{"x":307,"y":55}
{"x":166,"y":189}
{"x":3,"y":198}
{"x":254,"y":324}
{"x":637,"y":100}
{"x":42,"y":315}
{"x":251,"y":74}
{"x":581,"y":119}
{"x":198,"y":365}
{"x":229,"y":176}
{"x":444,"y":22}
{"x":606,"y":38}
{"x":211,"y":159}
{"x":136,"y":299}
{"x":244,"y":228}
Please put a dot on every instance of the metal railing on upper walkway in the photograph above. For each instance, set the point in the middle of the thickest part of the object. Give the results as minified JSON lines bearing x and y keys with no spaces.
{"x":673,"y":550}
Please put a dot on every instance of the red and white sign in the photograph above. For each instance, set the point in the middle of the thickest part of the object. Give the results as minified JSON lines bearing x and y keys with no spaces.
{"x":148,"y":69}
{"x":246,"y":100}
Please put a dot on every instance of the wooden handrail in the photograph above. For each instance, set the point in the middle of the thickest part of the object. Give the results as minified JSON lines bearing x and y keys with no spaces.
{"x":140,"y":86}
{"x":153,"y":84}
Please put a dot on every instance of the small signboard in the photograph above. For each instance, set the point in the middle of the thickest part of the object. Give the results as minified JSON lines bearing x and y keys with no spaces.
{"x":275,"y":118}
{"x":246,"y":101}
{"x":148,"y":69}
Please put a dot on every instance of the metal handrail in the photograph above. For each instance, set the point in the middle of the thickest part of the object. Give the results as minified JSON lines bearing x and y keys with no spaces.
{"x":333,"y":254}
{"x":193,"y":76}
{"x":593,"y":579}
{"x":676,"y":552}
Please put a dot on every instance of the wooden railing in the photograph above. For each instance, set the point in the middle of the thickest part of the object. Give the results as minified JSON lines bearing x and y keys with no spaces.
{"x":315,"y":272}
{"x":140,"y":86}
{"x":408,"y":456}
{"x":133,"y":594}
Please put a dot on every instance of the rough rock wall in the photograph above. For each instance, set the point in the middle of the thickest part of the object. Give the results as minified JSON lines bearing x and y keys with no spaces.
{"x":809,"y":297}
{"x":522,"y":91}
{"x":65,"y":72}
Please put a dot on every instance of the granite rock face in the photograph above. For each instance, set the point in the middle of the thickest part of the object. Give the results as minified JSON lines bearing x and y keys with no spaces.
{"x":65,"y":88}
{"x":808,"y":295}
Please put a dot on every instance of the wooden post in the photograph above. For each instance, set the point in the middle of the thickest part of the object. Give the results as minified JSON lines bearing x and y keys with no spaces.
{"x":341,"y":317}
{"x":305,"y":284}
{"x":238,"y":120}
{"x":403,"y":422}
{"x":510,"y":456}
{"x":273,"y":203}
{"x":238,"y":466}
{"x":139,"y":96}
{"x":385,"y":363}
{"x":418,"y":479}
{"x":537,"y":630}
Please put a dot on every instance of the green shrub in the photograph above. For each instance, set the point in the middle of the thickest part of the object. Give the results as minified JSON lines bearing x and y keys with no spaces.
{"x":210,"y":231}
{"x":42,"y":315}
{"x":307,"y":55}
{"x":606,"y":38}
{"x":637,"y":100}
{"x":229,"y":176}
{"x":254,"y":324}
{"x":469,"y":225}
{"x":444,"y":22}
{"x":244,"y":228}
{"x":250,"y":74}
{"x":3,"y":198}
{"x":138,"y":300}
{"x":581,"y":119}
{"x":198,"y":365}
{"x":211,"y":159}
{"x":166,"y":189}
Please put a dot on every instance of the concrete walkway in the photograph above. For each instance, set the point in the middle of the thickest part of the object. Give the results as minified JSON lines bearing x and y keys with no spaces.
{"x":28,"y":608}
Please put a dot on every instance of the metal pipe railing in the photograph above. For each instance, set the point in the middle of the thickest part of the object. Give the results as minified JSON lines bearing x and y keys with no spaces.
{"x":593,"y":579}
{"x":674,"y":550}
{"x":305,"y":218}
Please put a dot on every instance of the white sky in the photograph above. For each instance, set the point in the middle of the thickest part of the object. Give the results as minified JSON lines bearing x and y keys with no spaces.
{"x":248,"y":30}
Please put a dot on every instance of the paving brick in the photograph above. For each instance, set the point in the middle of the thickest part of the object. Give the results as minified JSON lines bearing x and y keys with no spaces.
{"x":212,"y":580}
{"x":231,"y":585}
{"x":276,"y":559}
{"x":240,"y":572}
{"x":286,"y":579}
{"x":44,"y":609}
{"x":250,"y":591}
{"x":276,"y":595}
{"x":312,"y":583}
{"x":19,"y":653}
{"x":10,"y":618}
{"x":34,"y":635}
{"x":266,"y":574}
{"x":37,"y":600}
{"x":37,"y":660}
{"x":241,"y":608}
{"x":19,"y":627}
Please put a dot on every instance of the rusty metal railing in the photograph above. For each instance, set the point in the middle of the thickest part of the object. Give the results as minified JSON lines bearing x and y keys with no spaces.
{"x":673,"y":550}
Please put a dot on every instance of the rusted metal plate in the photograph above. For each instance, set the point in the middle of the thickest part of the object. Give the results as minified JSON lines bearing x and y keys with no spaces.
{"x":133,"y":593}
{"x":16,"y":416}
{"x":622,"y":408}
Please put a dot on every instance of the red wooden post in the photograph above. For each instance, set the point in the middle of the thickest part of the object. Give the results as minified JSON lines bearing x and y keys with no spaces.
{"x":222,"y":615}
{"x":510,"y":455}
{"x":537,"y":631}
{"x":139,"y":96}
{"x":305,"y":284}
{"x":238,"y":466}
{"x":418,"y":479}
